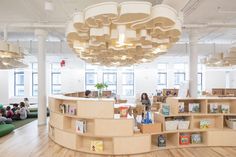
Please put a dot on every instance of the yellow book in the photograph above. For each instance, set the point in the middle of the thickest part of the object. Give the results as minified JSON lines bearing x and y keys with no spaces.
{"x":96,"y":146}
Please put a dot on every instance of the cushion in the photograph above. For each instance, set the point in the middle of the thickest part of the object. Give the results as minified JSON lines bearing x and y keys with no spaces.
{"x":6,"y":129}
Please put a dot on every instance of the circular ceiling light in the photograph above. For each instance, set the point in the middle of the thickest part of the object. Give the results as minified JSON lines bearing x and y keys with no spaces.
{"x":124,"y":33}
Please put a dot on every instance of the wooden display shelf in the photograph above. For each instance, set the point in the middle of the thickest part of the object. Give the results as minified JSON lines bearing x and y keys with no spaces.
{"x":117,"y":134}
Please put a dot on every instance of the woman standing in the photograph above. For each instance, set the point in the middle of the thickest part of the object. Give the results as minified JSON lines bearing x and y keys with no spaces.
{"x":146,"y":101}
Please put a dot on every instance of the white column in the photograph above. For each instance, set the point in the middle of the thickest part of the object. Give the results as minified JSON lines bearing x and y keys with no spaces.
{"x":193,"y":64}
{"x":42,"y":93}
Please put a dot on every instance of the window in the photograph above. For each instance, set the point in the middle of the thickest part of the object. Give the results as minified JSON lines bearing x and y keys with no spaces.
{"x":19,"y":83}
{"x":111,"y":80}
{"x":179,"y":77}
{"x":91,"y":79}
{"x":128,"y":84}
{"x":161,"y":76}
{"x":34,"y":79}
{"x":55,"y":78}
{"x":199,"y":84}
{"x":161,"y":80}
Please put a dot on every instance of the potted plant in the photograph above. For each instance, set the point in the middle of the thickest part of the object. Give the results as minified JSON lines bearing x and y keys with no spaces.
{"x":100,"y":87}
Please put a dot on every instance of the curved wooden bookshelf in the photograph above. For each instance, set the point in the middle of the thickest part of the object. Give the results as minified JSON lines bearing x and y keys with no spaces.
{"x":117,"y":134}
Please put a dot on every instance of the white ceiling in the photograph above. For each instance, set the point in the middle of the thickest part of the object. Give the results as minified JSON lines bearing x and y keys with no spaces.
{"x":215,"y":20}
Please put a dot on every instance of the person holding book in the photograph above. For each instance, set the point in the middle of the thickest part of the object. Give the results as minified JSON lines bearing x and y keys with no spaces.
{"x":145,"y":101}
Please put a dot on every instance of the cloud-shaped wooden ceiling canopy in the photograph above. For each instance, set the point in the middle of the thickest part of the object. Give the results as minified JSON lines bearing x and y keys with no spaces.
{"x":11,"y":56}
{"x":221,"y":59}
{"x":123,"y":34}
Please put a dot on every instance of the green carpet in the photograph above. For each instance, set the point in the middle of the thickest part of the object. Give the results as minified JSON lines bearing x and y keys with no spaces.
{"x":20,"y":123}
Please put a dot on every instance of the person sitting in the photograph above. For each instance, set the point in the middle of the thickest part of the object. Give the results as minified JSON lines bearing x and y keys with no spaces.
{"x":145,"y":101}
{"x":15,"y":108}
{"x":4,"y":120}
{"x":3,"y":112}
{"x":88,"y":94}
{"x":21,"y":113}
{"x":9,"y":112}
{"x":27,"y":104}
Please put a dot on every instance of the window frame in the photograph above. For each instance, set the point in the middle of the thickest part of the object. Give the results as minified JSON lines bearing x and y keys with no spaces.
{"x":115,"y":73}
{"x":89,"y":72}
{"x":52,"y":80}
{"x":175,"y":73}
{"x":15,"y":84}
{"x":122,"y":85}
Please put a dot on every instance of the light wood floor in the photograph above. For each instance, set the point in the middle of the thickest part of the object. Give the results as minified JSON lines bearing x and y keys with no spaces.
{"x":33,"y":141}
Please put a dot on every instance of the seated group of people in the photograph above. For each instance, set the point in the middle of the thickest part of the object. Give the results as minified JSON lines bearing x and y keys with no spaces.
{"x":17,"y":112}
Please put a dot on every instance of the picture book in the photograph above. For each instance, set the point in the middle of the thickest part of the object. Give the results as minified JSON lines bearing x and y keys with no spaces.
{"x":80,"y":126}
{"x":96,"y":146}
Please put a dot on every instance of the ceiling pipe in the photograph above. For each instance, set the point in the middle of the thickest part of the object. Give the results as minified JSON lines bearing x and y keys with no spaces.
{"x":217,"y":25}
{"x":36,"y":25}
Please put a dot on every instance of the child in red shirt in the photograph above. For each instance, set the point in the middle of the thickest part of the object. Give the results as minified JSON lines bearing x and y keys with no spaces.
{"x":9,"y":112}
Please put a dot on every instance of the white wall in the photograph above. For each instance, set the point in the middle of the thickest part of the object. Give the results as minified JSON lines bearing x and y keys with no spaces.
{"x":73,"y":78}
{"x":215,"y":79}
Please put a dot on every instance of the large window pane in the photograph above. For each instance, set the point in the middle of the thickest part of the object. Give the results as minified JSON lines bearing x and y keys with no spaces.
{"x":128,"y":84}
{"x":128,"y":78}
{"x":162,"y":78}
{"x":55,"y":78}
{"x":110,"y":80}
{"x":199,"y":79}
{"x":179,"y":78}
{"x":91,"y":78}
{"x":19,"y":83}
{"x":128,"y":90}
{"x":34,"y":79}
{"x":34,"y":84}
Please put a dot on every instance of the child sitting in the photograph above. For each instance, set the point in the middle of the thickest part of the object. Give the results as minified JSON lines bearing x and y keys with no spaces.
{"x":15,"y":108}
{"x":21,"y":113}
{"x":4,"y":120}
{"x":9,"y":112}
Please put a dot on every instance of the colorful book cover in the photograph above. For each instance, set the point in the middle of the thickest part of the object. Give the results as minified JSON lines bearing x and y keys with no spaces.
{"x":194,"y":107}
{"x":225,"y":108}
{"x":96,"y":146}
{"x":165,"y":109}
{"x":196,"y":139}
{"x":181,"y":107}
{"x":213,"y":108}
{"x":204,"y":124}
{"x":80,"y":126}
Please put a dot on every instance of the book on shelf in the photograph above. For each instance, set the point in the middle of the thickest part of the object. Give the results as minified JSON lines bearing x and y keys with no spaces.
{"x":96,"y":146}
{"x":165,"y":109}
{"x":196,"y":138}
{"x":81,"y":126}
{"x":67,"y":109}
{"x":194,"y":107}
{"x":161,"y":141}
{"x":181,"y":107}
{"x":184,"y":138}
{"x":213,"y":108}
{"x":205,"y":124}
{"x":225,"y":108}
